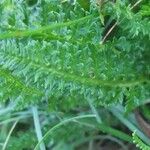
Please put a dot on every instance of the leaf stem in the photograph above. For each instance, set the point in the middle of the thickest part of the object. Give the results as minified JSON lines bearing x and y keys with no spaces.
{"x":9,"y":134}
{"x":59,"y":125}
{"x":118,"y":113}
{"x":75,"y":78}
{"x":27,"y":33}
{"x":38,"y":127}
{"x":114,"y":132}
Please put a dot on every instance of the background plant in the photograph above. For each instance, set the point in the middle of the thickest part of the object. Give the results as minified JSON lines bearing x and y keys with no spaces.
{"x":62,"y":60}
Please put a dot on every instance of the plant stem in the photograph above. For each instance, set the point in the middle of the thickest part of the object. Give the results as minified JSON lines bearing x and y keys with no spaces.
{"x":98,"y":118}
{"x":38,"y":127}
{"x":9,"y":134}
{"x":118,"y":113}
{"x":59,"y":125}
{"x":114,"y":132}
{"x":28,"y":33}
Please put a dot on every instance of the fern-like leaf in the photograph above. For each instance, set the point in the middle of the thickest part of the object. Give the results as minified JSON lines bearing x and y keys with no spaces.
{"x":48,"y":54}
{"x":139,"y":143}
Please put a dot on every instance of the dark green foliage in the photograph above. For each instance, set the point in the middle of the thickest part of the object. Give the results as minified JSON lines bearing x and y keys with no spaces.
{"x":23,"y":140}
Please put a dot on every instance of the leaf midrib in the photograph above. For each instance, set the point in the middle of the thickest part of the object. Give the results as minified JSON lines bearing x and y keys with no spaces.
{"x":31,"y":32}
{"x":78,"y":79}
